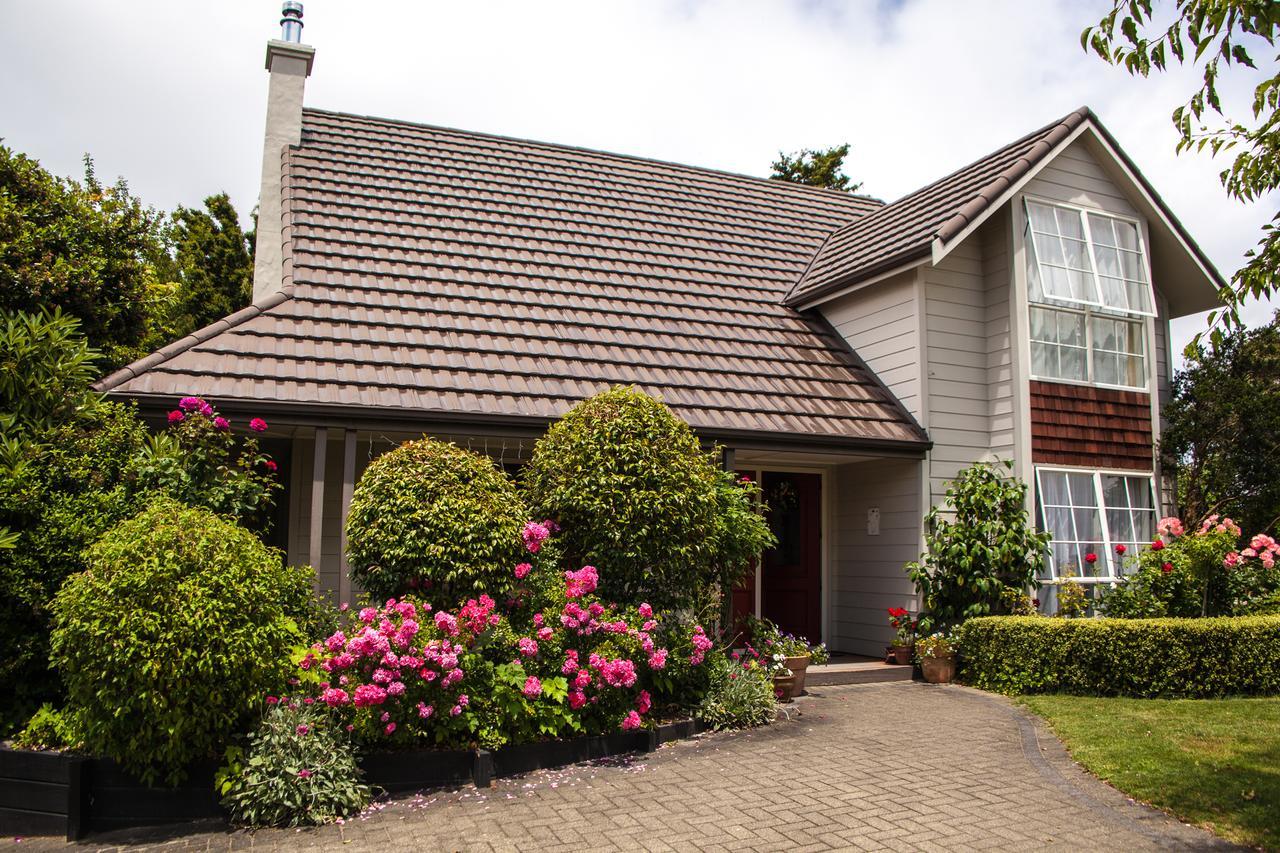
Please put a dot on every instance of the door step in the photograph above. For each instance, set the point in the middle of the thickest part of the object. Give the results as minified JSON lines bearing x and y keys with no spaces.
{"x":859,"y":672}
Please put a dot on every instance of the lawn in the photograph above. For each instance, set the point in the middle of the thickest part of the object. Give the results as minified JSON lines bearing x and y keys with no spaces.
{"x":1215,"y":763}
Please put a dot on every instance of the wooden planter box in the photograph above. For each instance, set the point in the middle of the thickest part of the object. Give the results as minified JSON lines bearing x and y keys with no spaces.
{"x":53,"y":793}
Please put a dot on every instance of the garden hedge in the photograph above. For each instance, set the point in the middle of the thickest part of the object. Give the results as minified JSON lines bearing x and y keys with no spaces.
{"x":1192,"y":658}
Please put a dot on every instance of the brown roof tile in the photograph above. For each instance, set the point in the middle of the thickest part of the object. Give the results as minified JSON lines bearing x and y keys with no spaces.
{"x":438,"y":271}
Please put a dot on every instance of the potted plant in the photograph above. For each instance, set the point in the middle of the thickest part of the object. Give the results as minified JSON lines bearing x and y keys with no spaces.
{"x":937,"y":653}
{"x":904,"y":638}
{"x":785,"y":656}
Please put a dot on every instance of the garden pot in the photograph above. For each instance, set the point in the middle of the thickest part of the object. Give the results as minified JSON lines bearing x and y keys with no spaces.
{"x":900,"y":655}
{"x":939,"y":670}
{"x":798,"y":665}
{"x":784,"y":687}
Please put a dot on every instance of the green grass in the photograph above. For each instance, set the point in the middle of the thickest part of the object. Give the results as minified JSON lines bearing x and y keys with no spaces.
{"x":1211,"y":762}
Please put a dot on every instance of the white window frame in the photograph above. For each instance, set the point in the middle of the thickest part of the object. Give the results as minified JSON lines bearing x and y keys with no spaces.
{"x":1113,"y":575}
{"x":1084,"y":213}
{"x":1089,"y":316}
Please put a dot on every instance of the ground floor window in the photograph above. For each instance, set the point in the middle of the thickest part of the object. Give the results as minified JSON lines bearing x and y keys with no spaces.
{"x":1089,"y":513}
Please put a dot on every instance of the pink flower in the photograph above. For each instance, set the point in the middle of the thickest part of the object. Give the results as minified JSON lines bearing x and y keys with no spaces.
{"x":369,"y":694}
{"x":304,"y":774}
{"x":545,"y":633}
{"x":395,"y":688}
{"x":176,"y":417}
{"x":425,"y":710}
{"x":646,"y":612}
{"x":303,"y":729}
{"x":221,"y":423}
{"x":532,"y":687}
{"x":534,"y":534}
{"x":582,"y":582}
{"x":191,"y":404}
{"x":701,"y":645}
{"x":528,"y":647}
{"x":644,"y":702}
{"x":391,"y":727}
{"x":631,"y":721}
{"x":577,"y":699}
{"x":1231,"y":560}
{"x":258,"y":425}
{"x":464,"y":700}
{"x":271,"y":700}
{"x":333,"y":697}
{"x":1268,"y":559}
{"x":658,"y":659}
{"x":522,"y":570}
{"x":1171,"y":526}
{"x":455,"y":710}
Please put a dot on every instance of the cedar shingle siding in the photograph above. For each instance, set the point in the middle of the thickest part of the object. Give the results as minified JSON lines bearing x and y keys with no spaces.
{"x":1090,"y":427}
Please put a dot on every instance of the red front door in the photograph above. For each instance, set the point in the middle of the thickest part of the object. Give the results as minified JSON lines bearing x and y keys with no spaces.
{"x":791,"y":571}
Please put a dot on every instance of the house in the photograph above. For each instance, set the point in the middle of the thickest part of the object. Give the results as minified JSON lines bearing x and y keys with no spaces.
{"x":853,"y":355}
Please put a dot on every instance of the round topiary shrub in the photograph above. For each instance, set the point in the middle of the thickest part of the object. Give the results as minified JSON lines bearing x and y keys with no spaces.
{"x":432,"y":517}
{"x":638,"y":497}
{"x":180,"y":626}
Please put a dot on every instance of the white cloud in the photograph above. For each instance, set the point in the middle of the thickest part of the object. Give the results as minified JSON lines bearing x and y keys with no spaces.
{"x":171,"y":95}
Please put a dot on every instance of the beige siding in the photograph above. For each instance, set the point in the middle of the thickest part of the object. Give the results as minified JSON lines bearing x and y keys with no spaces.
{"x":328,"y":571}
{"x":1075,"y":177}
{"x":867,"y":571}
{"x":880,"y":323}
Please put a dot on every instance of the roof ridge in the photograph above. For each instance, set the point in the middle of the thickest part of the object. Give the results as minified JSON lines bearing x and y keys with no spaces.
{"x":784,"y":186}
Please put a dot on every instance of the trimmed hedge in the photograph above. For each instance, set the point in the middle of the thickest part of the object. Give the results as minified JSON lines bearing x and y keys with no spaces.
{"x":1192,"y":658}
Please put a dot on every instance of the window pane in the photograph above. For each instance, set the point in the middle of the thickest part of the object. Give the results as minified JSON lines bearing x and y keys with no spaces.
{"x":1119,"y":525}
{"x":1134,"y":374}
{"x":1041,"y":217}
{"x":1098,"y":568}
{"x":1070,"y":328}
{"x":1131,"y":264}
{"x":1042,"y":360}
{"x":1069,"y":224}
{"x":1100,"y":230}
{"x":1048,"y":250}
{"x":1115,"y":493}
{"x":1081,"y":486}
{"x":1072,"y":365}
{"x":1139,"y":296}
{"x":1104,"y":335}
{"x":1115,"y":293}
{"x":1077,"y":254}
{"x":1088,"y":524}
{"x":1064,"y":559}
{"x":1144,"y":525}
{"x":1139,"y":492}
{"x":1108,"y":260}
{"x":1044,"y":326}
{"x":1106,"y":368}
{"x":1056,"y":283}
{"x":1082,"y":286}
{"x":1131,"y":340}
{"x":1127,"y":234}
{"x":1058,"y":522}
{"x":1053,"y":485}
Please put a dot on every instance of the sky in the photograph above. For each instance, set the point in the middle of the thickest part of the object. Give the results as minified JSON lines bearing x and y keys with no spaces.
{"x":171,"y":94}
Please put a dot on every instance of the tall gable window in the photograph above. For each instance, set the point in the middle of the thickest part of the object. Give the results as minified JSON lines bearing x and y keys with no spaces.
{"x":1089,"y":288}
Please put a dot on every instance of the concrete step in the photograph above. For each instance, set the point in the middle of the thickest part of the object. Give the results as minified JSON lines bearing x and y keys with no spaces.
{"x":860,"y":672}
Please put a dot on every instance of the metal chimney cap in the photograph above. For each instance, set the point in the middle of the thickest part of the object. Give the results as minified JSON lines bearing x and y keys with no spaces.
{"x":291,"y":21}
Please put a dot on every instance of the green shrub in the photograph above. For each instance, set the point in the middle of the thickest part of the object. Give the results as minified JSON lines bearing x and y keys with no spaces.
{"x":299,"y":770}
{"x":432,"y":516}
{"x":637,"y":495}
{"x":49,"y":728}
{"x":978,"y":545}
{"x":169,"y":641}
{"x":739,"y":696}
{"x":59,"y":496}
{"x":1193,"y":658}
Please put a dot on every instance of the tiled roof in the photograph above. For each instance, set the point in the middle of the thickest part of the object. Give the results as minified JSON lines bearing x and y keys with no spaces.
{"x":905,"y":229}
{"x":439,"y":271}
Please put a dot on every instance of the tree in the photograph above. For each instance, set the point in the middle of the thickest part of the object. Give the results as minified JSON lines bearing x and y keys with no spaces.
{"x":1222,"y":435}
{"x":1215,"y":35}
{"x":815,"y":168}
{"x":85,"y":248}
{"x":213,"y":260}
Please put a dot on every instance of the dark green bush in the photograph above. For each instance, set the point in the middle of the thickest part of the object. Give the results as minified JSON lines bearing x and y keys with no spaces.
{"x":431,"y":516}
{"x":738,"y":697}
{"x":300,"y":770}
{"x":1193,"y":658}
{"x":169,"y":641}
{"x":48,"y":728}
{"x":636,"y":495}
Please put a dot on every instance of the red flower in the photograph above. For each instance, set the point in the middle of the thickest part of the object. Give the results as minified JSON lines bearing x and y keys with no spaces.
{"x":176,"y":416}
{"x":1091,"y":558}
{"x":258,"y":425}
{"x":1166,"y":568}
{"x":1157,"y":545}
{"x":269,"y":465}
{"x":1120,"y":549}
{"x":897,"y":612}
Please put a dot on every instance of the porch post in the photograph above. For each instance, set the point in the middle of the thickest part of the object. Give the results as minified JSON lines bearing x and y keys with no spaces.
{"x":315,"y":541}
{"x":348,"y":489}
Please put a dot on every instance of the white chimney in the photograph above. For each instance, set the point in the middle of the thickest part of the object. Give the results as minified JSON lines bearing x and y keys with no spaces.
{"x":289,"y":62}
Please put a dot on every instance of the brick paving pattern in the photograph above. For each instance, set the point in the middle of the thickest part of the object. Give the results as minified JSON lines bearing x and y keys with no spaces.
{"x":902,"y":767}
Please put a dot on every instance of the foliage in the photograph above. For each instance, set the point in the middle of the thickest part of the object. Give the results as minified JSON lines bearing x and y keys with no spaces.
{"x":978,"y":544}
{"x":431,"y":516}
{"x":199,"y":461}
{"x":904,"y":627}
{"x":299,"y":770}
{"x":936,"y":645}
{"x":740,"y":696}
{"x":83,"y":247}
{"x":46,"y":367}
{"x":48,"y":728}
{"x":1073,"y":601}
{"x":817,"y":168}
{"x":1016,"y":602}
{"x":1199,"y":572}
{"x":635,"y":492}
{"x":1123,"y":657}
{"x":1210,"y":762}
{"x":213,"y":260}
{"x":1214,"y":35}
{"x":169,"y":640}
{"x":1221,"y":438}
{"x":409,"y":673}
{"x":819,"y":655}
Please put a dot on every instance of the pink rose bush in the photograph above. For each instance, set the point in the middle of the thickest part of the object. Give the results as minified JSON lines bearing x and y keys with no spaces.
{"x":553,"y":661}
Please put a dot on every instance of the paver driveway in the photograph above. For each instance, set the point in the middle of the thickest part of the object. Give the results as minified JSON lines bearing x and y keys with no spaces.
{"x":878,"y":767}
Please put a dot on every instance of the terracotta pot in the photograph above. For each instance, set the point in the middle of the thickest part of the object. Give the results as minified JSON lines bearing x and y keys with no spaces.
{"x":900,"y":655}
{"x":939,"y":670}
{"x":798,"y":665}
